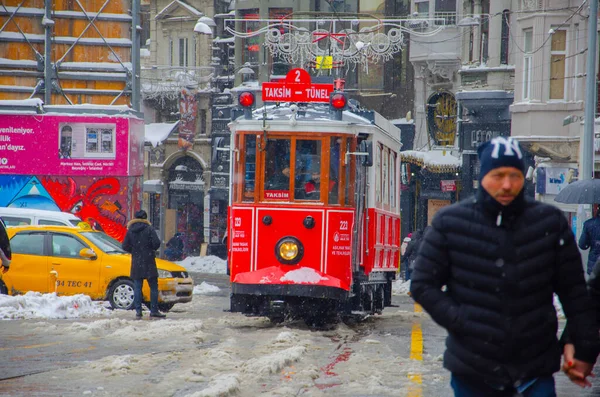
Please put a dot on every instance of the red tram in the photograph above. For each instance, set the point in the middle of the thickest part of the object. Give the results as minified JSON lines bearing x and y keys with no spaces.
{"x":314,"y":216}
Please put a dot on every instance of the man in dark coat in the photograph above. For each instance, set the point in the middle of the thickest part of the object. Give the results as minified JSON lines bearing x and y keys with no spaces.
{"x":412,"y":248}
{"x":5,"y":252}
{"x":590,"y":238}
{"x":142,"y":241}
{"x":501,"y":258}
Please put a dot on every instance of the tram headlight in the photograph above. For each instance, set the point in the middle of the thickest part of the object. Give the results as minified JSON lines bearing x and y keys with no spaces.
{"x":289,"y":250}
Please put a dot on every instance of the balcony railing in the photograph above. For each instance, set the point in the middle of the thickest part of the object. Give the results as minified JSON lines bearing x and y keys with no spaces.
{"x":170,"y":80}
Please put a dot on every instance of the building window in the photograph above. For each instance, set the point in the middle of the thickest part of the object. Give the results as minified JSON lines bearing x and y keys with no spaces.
{"x":203,"y":121}
{"x":445,"y":5}
{"x":183,"y":52}
{"x":485,"y":30}
{"x":422,"y":7}
{"x":527,"y":62}
{"x":558,"y":52}
{"x":251,"y":45}
{"x":504,"y":37}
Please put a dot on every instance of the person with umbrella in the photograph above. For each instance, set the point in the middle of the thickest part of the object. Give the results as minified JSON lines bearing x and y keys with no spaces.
{"x":585,"y":191}
{"x":590,"y":239}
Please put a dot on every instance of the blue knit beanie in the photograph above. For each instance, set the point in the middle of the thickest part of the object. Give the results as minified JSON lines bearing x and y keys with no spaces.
{"x":500,"y":152}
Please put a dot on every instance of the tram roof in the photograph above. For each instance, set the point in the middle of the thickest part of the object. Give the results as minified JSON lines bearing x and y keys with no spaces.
{"x":320,"y":113}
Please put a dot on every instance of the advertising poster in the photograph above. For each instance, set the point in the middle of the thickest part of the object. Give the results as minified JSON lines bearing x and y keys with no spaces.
{"x":65,"y":145}
{"x":188,"y":109}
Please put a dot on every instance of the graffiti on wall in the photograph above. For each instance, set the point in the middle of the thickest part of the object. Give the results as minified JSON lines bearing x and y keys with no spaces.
{"x":101,"y":201}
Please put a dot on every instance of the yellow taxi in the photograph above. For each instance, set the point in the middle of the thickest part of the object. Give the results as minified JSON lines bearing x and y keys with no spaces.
{"x":79,"y":260}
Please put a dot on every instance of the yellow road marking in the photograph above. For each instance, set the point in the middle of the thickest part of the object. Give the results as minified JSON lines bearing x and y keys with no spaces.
{"x":31,"y":346}
{"x":415,"y":388}
{"x":416,"y":343}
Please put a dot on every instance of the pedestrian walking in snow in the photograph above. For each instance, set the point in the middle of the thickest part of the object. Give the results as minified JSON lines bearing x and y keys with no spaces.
{"x":501,"y":258}
{"x":5,"y":252}
{"x":142,"y":241}
{"x":411,"y":252}
{"x":590,"y":239}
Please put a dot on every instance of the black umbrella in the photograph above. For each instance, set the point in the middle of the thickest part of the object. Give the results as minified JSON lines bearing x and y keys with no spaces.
{"x":581,"y":192}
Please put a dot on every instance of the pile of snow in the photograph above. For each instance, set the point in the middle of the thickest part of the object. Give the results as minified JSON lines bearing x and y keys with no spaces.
{"x":206,"y":289}
{"x":204,"y":264}
{"x":138,"y":330}
{"x":38,"y":305}
{"x":400,"y":287}
{"x":220,"y":385}
{"x":304,"y":275}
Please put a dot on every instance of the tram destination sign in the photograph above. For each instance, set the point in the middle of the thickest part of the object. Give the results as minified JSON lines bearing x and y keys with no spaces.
{"x":297,"y":87}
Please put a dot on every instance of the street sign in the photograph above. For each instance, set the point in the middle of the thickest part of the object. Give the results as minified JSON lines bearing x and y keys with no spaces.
{"x":297,"y":87}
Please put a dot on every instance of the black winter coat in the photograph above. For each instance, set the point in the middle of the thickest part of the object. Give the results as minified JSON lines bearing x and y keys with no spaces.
{"x":501,"y":266}
{"x":590,"y":238}
{"x":141,"y":241}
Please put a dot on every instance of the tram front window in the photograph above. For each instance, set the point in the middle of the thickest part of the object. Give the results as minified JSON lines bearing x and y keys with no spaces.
{"x":307,"y":180}
{"x":277,"y":169}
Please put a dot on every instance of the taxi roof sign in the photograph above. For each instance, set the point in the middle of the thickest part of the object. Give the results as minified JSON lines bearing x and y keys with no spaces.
{"x":297,"y":87}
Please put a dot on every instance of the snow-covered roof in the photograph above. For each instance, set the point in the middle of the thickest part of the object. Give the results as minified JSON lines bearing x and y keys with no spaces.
{"x":436,"y":160}
{"x":156,"y":133}
{"x":485,"y":68}
{"x":227,"y":40}
{"x":33,"y":102}
{"x":176,"y":4}
{"x":402,"y":121}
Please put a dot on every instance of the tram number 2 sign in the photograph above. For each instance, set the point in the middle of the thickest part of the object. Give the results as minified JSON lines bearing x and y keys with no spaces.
{"x":297,"y":87}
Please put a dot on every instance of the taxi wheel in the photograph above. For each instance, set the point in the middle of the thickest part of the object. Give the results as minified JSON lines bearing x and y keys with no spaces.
{"x":120,"y":295}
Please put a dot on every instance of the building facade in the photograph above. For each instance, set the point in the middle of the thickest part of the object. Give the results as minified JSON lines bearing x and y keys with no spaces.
{"x":547,"y":115}
{"x":177,"y":91}
{"x":464,"y":84}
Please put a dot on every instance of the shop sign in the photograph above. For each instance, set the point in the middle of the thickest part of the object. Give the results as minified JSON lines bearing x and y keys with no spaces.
{"x":474,"y":134}
{"x":448,"y":186}
{"x":433,"y":206}
{"x":297,"y":87}
{"x":71,"y":145}
{"x":189,"y":186}
{"x":551,"y":180}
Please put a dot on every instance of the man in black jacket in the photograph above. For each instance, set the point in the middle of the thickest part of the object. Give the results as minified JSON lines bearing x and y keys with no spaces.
{"x":5,"y":252}
{"x":501,"y":259}
{"x":590,"y":238}
{"x":142,"y":241}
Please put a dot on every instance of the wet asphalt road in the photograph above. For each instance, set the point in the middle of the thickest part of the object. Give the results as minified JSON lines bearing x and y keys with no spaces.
{"x":29,"y":356}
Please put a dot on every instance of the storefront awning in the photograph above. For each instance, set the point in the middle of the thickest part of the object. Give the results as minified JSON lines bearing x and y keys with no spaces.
{"x":156,"y":133}
{"x":436,"y":161}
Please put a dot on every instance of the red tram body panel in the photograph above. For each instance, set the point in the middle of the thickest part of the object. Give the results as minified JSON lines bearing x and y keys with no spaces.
{"x":314,"y":215}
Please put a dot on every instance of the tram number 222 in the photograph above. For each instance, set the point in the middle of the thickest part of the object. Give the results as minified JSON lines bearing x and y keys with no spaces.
{"x":343,"y":225}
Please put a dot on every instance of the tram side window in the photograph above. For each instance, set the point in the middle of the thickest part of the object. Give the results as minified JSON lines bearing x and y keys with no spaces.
{"x":378,"y":174}
{"x":384,"y":176}
{"x":350,"y":169}
{"x":249,"y":168}
{"x":334,"y":170}
{"x":393,"y":179}
{"x":308,"y":178}
{"x":277,"y":169}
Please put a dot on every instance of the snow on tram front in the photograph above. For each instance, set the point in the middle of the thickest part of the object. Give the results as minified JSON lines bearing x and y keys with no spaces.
{"x":314,"y":215}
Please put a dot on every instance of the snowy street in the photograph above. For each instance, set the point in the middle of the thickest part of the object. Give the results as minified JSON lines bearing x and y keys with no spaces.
{"x":202,"y":350}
